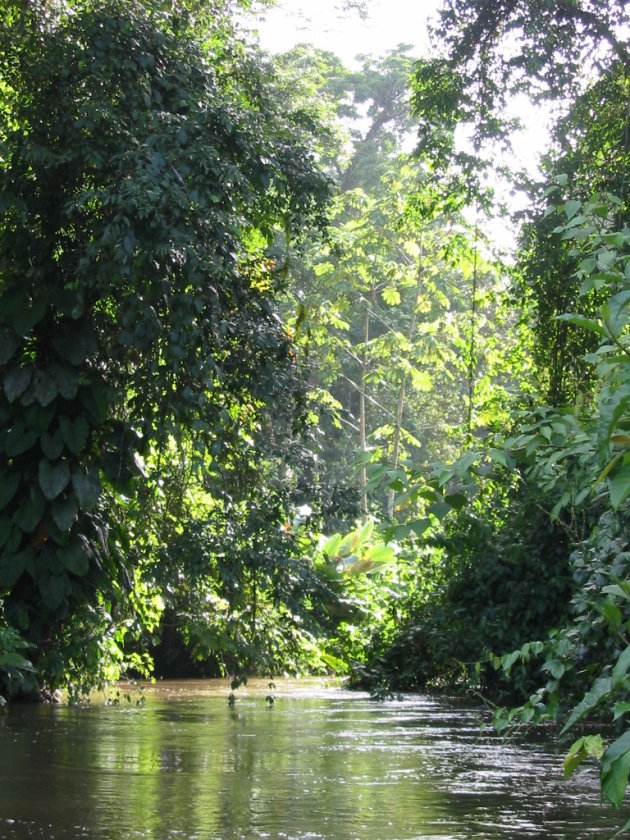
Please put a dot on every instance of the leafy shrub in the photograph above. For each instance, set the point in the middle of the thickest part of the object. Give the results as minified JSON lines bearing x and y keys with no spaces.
{"x":16,"y":671}
{"x":502,"y":578}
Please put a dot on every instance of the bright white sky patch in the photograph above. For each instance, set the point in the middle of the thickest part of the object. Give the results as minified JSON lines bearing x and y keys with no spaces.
{"x":390,"y":23}
{"x":322,"y":23}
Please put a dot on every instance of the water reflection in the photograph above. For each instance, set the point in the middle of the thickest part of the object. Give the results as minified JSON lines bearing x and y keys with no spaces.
{"x":321,"y":763}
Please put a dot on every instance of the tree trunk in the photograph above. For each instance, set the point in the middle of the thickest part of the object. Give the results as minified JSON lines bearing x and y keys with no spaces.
{"x":365,"y":364}
{"x":403,"y":382}
{"x":472,"y":365}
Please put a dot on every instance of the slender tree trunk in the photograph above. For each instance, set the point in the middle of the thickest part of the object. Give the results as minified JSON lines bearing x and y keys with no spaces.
{"x":473,"y":349}
{"x":365,"y":364}
{"x":626,"y":148}
{"x":403,"y":382}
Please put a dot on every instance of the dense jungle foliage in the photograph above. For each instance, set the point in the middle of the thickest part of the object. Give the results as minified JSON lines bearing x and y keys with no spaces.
{"x":271,"y":400}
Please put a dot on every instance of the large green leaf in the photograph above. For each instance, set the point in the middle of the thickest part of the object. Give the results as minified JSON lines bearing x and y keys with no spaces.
{"x":12,"y":567}
{"x":379,"y":556}
{"x":87,"y":486}
{"x":70,"y":302}
{"x":52,"y":445}
{"x":10,"y":661}
{"x":8,"y":345}
{"x":8,"y":487}
{"x":612,"y":614}
{"x":77,"y":347}
{"x":19,"y":440}
{"x":53,"y":589}
{"x":440,"y":509}
{"x":30,"y":513}
{"x":621,"y":667}
{"x":331,"y":546}
{"x":619,"y":486}
{"x":45,"y":388}
{"x":64,"y":511}
{"x":585,"y":323}
{"x":53,"y":477}
{"x":591,"y":699}
{"x":586,"y":747}
{"x":6,"y":526}
{"x":615,"y":314}
{"x":16,"y":381}
{"x":571,"y":207}
{"x":615,"y":769}
{"x":74,"y":559}
{"x":95,"y":399}
{"x":67,"y":380}
{"x":26,"y":315}
{"x":37,"y":417}
{"x":75,"y":433}
{"x":381,"y":553}
{"x":419,"y":526}
{"x":555,"y":667}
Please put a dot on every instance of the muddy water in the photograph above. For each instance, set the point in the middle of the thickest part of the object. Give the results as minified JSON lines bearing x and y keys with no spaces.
{"x":319,"y":763}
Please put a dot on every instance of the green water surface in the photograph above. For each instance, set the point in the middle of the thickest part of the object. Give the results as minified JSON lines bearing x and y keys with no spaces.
{"x":319,"y":763}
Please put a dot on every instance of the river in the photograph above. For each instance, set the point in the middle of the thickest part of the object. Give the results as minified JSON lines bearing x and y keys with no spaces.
{"x":318,"y":763}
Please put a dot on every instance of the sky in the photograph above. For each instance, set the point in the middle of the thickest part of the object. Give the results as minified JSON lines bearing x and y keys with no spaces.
{"x":390,"y":23}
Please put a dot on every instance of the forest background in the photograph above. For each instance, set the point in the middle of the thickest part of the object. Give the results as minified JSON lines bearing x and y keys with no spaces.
{"x":272,"y":403}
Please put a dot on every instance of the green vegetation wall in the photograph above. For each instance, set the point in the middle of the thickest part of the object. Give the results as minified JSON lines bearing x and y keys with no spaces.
{"x":144,"y":172}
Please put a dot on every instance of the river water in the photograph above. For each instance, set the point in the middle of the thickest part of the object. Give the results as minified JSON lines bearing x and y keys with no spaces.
{"x":319,"y":763}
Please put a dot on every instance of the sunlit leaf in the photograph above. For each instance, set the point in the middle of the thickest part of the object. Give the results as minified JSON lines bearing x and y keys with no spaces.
{"x":585,"y":323}
{"x":331,"y":547}
{"x":590,"y":746}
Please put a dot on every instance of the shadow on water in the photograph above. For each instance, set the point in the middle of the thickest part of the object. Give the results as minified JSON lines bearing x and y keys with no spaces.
{"x":320,"y":763}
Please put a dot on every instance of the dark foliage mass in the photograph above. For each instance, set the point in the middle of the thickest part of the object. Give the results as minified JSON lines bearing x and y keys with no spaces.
{"x":143,"y":176}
